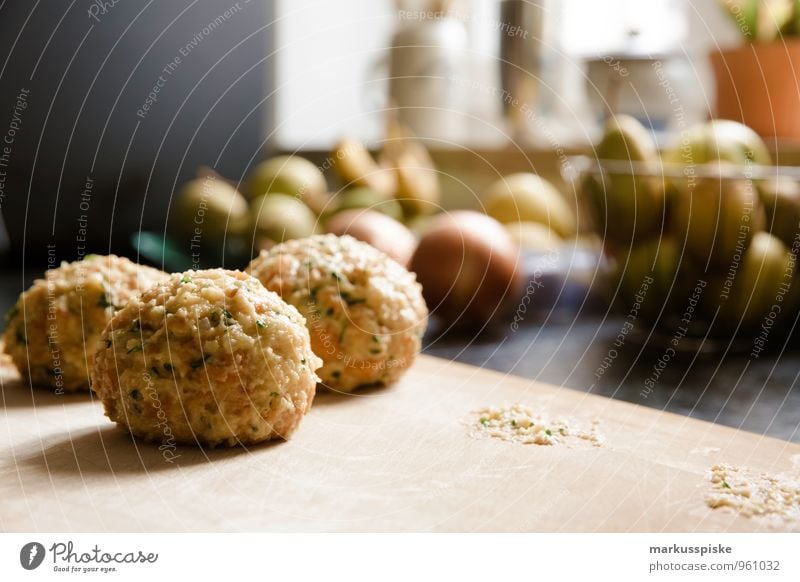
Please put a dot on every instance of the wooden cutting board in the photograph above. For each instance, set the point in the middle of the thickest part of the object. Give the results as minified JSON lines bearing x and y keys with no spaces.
{"x":396,"y":459}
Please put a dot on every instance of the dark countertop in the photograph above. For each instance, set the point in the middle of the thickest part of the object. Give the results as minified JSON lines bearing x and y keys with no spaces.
{"x":759,"y":395}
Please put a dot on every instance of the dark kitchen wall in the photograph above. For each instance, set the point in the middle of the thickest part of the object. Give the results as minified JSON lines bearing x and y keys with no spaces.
{"x":105,"y":108}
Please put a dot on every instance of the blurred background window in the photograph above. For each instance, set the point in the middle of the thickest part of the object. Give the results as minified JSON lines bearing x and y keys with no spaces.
{"x":331,"y":72}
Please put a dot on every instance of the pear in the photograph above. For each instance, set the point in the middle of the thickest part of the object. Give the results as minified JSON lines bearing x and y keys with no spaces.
{"x":279,"y":217}
{"x":356,"y":167}
{"x":781,"y":199}
{"x":534,"y":237}
{"x":720,"y":140}
{"x":593,"y":196}
{"x":418,"y":190}
{"x":209,"y":208}
{"x":632,"y":206}
{"x":291,"y":175}
{"x":624,"y":138}
{"x":647,"y":277}
{"x":717,"y":218}
{"x":526,"y":197}
{"x":363,"y":197}
{"x":763,"y":281}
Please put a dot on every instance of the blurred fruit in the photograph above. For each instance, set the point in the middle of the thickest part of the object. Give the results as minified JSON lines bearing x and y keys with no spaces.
{"x":630,"y":206}
{"x":379,"y":230}
{"x":718,"y":219}
{"x":417,"y":178}
{"x":290,"y":175}
{"x":526,"y":197}
{"x":648,"y":278}
{"x":592,"y":192}
{"x":209,"y":208}
{"x":763,"y":281}
{"x":624,"y":138}
{"x":720,"y":140}
{"x":534,"y":237}
{"x":467,"y":265}
{"x":419,"y":224}
{"x":279,"y":217}
{"x":365,"y":198}
{"x":355,"y":166}
{"x":781,"y":199}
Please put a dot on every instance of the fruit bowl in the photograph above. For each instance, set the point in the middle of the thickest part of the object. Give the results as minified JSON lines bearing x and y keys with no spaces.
{"x":704,"y":252}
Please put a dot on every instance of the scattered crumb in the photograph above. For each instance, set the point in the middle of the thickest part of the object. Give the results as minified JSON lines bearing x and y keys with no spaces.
{"x":519,"y":423}
{"x":751,"y":493}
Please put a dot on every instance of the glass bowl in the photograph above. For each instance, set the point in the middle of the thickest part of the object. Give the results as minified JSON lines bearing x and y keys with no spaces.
{"x":697,"y":253}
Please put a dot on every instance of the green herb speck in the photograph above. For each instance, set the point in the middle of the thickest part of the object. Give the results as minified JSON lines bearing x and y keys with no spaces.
{"x":135,"y":394}
{"x":155,"y":371}
{"x":20,"y":336}
{"x":102,"y":301}
{"x":375,"y":351}
{"x":336,"y":276}
{"x":484,"y":421}
{"x":186,"y":279}
{"x":136,"y":325}
{"x":548,"y":432}
{"x":138,"y":348}
{"x":725,"y":485}
{"x":336,"y":374}
{"x":200,"y":361}
{"x":12,"y":313}
{"x":261,"y":323}
{"x":351,"y":300}
{"x":168,"y":367}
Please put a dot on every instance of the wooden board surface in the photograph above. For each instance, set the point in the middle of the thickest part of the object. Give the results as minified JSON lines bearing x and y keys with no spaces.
{"x":397,"y":459}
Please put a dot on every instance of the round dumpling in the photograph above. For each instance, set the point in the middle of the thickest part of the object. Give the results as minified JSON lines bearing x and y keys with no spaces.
{"x":207,"y":357}
{"x":365,"y":312}
{"x":53,"y":329}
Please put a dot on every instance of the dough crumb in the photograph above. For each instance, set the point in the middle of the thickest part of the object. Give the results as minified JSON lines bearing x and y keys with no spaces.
{"x":520,"y":423}
{"x":754,"y":494}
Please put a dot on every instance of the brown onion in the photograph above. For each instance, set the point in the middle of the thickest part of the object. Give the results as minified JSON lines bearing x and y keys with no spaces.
{"x":375,"y":228}
{"x":467,"y":264}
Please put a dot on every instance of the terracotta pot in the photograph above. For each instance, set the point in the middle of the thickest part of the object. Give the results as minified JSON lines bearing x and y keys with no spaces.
{"x":759,"y":85}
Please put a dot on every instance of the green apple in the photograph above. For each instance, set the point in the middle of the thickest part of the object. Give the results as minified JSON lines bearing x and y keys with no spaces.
{"x":631,"y":206}
{"x":279,"y":217}
{"x":717,"y":218}
{"x":208,"y":209}
{"x":291,"y":175}
{"x":526,"y":197}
